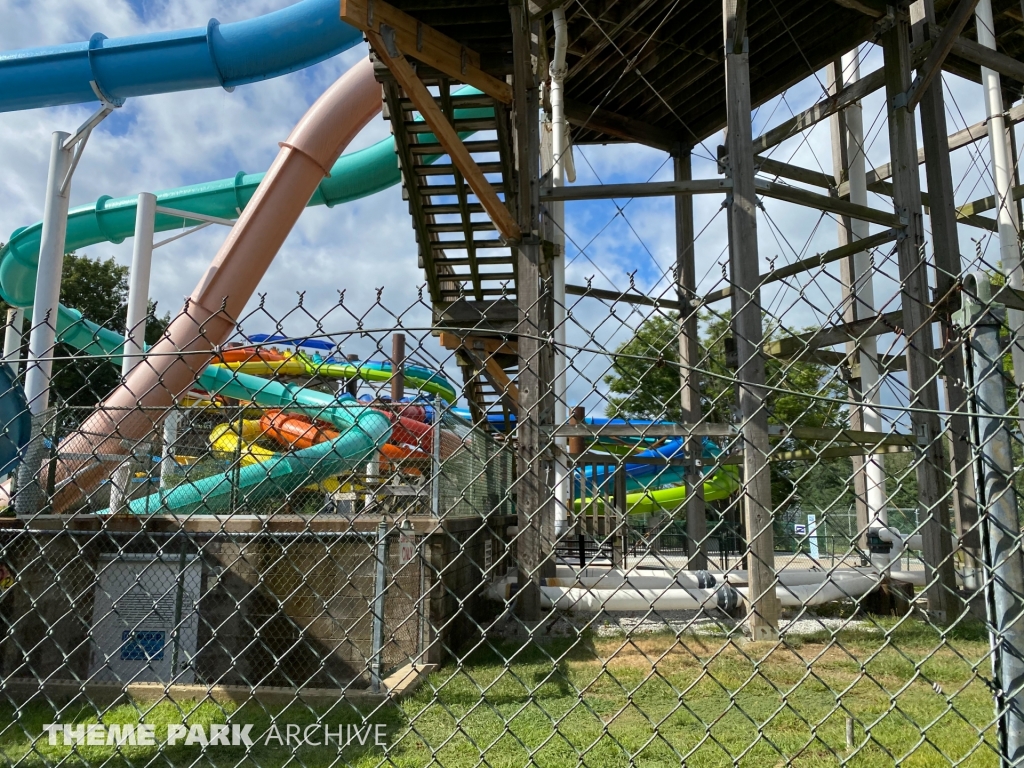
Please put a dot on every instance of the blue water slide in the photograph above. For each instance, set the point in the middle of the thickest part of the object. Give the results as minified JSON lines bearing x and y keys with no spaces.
{"x":218,"y":54}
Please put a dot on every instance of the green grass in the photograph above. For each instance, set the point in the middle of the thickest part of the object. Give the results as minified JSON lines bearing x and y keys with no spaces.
{"x":918,"y":699}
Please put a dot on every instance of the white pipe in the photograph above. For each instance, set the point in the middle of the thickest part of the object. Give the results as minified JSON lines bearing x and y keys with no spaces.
{"x":595,"y":600}
{"x":39,"y":367}
{"x":168,"y":464}
{"x":807,"y":595}
{"x":13,"y":336}
{"x":559,"y":143}
{"x":138,"y":282}
{"x":863,"y":290}
{"x":1002,"y":166}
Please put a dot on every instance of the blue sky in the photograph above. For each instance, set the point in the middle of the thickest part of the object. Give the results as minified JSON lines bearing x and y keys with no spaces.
{"x":166,"y":141}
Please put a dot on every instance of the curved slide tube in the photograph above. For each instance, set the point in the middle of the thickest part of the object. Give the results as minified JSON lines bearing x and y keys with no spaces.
{"x":110,"y":220}
{"x":268,"y":363}
{"x":176,"y":361}
{"x":363,"y":431}
{"x":218,"y":54}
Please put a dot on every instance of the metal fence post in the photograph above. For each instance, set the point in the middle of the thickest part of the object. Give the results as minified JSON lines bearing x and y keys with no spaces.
{"x":435,"y":463}
{"x":379,"y":584}
{"x":982,"y":320}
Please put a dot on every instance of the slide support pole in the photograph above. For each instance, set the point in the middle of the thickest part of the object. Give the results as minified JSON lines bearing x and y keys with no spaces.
{"x":138,"y":283}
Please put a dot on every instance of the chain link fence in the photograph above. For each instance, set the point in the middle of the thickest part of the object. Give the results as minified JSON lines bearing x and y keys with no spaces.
{"x":288,"y":541}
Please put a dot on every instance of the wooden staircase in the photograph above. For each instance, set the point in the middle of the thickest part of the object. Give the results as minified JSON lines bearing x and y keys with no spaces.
{"x":470,"y":270}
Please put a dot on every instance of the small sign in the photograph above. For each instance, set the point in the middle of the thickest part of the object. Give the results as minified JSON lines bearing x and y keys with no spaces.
{"x":812,"y":529}
{"x":406,"y":548}
{"x":799,"y":530}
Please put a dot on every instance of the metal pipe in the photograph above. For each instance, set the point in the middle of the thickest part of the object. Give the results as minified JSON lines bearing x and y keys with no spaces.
{"x":13,"y":337}
{"x":39,"y":363}
{"x":994,"y":475}
{"x":397,"y":367}
{"x":51,"y":264}
{"x":559,"y":147}
{"x":138,"y":283}
{"x":1002,"y":180}
{"x":379,"y":584}
{"x":863,"y":294}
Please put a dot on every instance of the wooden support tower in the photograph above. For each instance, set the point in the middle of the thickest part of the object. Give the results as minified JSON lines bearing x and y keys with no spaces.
{"x":922,"y":363}
{"x":757,"y":489}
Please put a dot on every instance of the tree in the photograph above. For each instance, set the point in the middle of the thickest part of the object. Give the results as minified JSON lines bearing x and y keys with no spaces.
{"x":644,"y":384}
{"x":99,"y":290}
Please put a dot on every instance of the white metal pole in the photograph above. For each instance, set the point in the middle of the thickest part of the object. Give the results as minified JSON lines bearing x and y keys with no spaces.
{"x":41,"y":340}
{"x":39,"y":363}
{"x":138,"y":283}
{"x":1002,"y":179}
{"x":559,"y":147}
{"x":864,"y":293}
{"x":13,"y":336}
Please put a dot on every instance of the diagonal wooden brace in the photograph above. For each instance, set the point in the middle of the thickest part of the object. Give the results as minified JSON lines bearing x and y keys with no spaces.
{"x":425,"y":44}
{"x":447,"y":136}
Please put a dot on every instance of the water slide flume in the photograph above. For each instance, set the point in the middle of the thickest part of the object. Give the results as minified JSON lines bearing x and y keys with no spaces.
{"x":180,"y":357}
{"x":656,"y":488}
{"x":217,"y":55}
{"x":269,"y":362}
{"x":362,"y":431}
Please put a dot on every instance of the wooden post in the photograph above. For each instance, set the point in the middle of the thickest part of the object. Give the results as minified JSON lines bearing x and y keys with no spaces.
{"x":922,"y":365}
{"x":756,"y":492}
{"x":531,"y":499}
{"x":689,"y":363}
{"x":352,"y":385}
{"x":945,"y":245}
{"x":841,"y":171}
{"x":397,"y":367}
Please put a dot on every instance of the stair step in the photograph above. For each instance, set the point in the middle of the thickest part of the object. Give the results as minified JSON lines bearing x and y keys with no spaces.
{"x":447,"y":208}
{"x":481,"y":261}
{"x":461,"y":244}
{"x":447,"y":169}
{"x":434,"y":148}
{"x":459,"y":100}
{"x":462,"y":124}
{"x":450,"y":190}
{"x":459,"y":226}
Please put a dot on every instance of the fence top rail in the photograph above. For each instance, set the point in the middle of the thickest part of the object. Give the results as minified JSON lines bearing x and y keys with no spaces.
{"x":232,"y":524}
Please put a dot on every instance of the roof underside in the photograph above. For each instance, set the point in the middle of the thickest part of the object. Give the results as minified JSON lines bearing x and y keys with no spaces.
{"x":652,"y":69}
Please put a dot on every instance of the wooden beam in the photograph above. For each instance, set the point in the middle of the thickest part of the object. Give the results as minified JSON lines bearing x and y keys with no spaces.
{"x":495,"y":374}
{"x":623,"y":296}
{"x":748,"y":332}
{"x":791,"y":347}
{"x":794,"y":172}
{"x":942,"y":47}
{"x":812,"y":262}
{"x":424,"y":43}
{"x":961,"y":138}
{"x":642,"y":189}
{"x":825,"y":203}
{"x":446,"y":135}
{"x":867,"y":84}
{"x":485,"y":344}
{"x":923,"y":369}
{"x":872,"y":8}
{"x":619,"y":126}
{"x":985,"y":57}
{"x":690,"y":404}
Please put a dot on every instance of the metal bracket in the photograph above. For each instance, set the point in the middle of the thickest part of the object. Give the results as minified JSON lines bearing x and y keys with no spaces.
{"x":387,"y":34}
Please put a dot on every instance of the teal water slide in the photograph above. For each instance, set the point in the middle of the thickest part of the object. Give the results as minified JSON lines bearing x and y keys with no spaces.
{"x":363,"y":432}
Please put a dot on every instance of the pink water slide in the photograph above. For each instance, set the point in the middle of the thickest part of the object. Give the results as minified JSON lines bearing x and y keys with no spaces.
{"x":208,"y":318}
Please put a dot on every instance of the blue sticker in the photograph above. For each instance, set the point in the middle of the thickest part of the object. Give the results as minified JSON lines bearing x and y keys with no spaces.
{"x":142,"y":645}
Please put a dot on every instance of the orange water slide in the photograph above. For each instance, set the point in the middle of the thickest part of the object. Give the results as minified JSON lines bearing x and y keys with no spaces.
{"x":248,"y":354}
{"x":210,"y":313}
{"x":296,"y":432}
